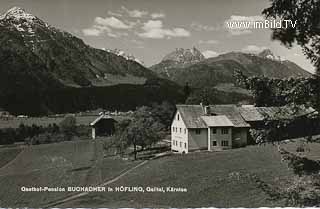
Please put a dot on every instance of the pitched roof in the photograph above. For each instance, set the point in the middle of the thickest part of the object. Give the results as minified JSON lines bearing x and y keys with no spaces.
{"x":232,"y":112}
{"x":192,"y":115}
{"x":100,"y":118}
{"x":252,"y":114}
{"x":217,"y":121}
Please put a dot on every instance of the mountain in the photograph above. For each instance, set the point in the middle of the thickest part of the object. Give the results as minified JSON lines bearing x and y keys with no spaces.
{"x":267,"y":53}
{"x":119,"y":52}
{"x":215,"y":76}
{"x":39,"y":61}
{"x":63,"y":56}
{"x":220,"y":70}
{"x":181,"y":55}
{"x":180,"y":58}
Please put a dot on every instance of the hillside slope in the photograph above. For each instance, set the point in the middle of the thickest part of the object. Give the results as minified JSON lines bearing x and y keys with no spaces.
{"x":62,"y":56}
{"x":45,"y":70}
{"x":217,"y":70}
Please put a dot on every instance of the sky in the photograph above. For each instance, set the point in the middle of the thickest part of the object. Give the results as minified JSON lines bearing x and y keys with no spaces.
{"x":150,"y":29}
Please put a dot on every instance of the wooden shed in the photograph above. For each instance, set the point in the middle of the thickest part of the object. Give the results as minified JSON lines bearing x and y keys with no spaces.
{"x":104,"y":125}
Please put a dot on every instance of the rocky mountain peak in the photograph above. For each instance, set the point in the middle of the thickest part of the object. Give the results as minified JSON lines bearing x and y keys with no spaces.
{"x":20,"y":19}
{"x":267,"y":53}
{"x":182,"y":55}
{"x":17,"y":13}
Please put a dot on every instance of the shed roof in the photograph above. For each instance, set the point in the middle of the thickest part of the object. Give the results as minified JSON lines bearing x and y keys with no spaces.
{"x":217,"y":121}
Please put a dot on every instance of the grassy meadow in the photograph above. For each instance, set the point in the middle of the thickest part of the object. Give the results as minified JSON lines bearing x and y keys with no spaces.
{"x":75,"y":163}
{"x":217,"y":179}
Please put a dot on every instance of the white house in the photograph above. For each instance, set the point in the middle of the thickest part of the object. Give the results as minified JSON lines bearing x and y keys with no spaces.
{"x":215,"y":127}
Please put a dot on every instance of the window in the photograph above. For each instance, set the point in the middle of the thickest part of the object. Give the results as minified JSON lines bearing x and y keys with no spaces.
{"x":225,"y":143}
{"x":224,"y":131}
{"x":214,"y":143}
{"x":185,"y":145}
{"x":172,"y":129}
{"x":176,"y":129}
{"x":180,"y":130}
{"x":185,"y":131}
{"x":214,"y":130}
{"x":178,"y":117}
{"x":198,"y":131}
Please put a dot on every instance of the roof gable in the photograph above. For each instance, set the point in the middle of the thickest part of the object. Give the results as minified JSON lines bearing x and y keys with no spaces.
{"x":101,"y":117}
{"x":191,"y":116}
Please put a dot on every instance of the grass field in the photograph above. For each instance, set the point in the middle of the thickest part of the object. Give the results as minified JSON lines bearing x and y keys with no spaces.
{"x":45,"y":121}
{"x":78,"y":163}
{"x":219,"y":179}
{"x":8,"y":154}
{"x":311,"y":149}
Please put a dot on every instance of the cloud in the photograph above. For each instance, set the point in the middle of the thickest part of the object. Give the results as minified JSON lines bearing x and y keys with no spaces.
{"x":112,"y":22}
{"x":154,"y":29}
{"x":200,"y":27}
{"x":158,"y":15}
{"x":210,"y":53}
{"x":116,"y":14}
{"x":112,"y":26}
{"x":253,"y":48}
{"x":92,"y":32}
{"x":134,"y":13}
{"x":241,"y":25}
{"x":208,"y":42}
{"x":237,"y":18}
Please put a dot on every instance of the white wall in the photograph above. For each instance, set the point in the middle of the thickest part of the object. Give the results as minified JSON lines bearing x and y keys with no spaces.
{"x":219,"y":137}
{"x":179,"y":134}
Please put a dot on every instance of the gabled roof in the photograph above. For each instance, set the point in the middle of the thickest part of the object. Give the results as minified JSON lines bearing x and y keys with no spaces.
{"x":100,"y":118}
{"x":217,"y":121}
{"x":232,"y":112}
{"x":192,"y":115}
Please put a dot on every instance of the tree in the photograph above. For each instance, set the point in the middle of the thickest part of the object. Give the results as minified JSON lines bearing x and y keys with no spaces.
{"x":163,"y":113}
{"x":68,"y":126}
{"x":143,"y":130}
{"x":306,"y":32}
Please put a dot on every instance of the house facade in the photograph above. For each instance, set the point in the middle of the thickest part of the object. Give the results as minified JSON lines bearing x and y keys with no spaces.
{"x":213,"y":128}
{"x":220,"y":127}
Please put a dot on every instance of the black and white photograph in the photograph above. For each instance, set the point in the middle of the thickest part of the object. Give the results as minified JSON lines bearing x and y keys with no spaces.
{"x":159,"y":103}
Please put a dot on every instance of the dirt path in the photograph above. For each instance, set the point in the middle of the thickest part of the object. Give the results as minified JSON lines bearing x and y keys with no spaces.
{"x":13,"y":160}
{"x":59,"y":202}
